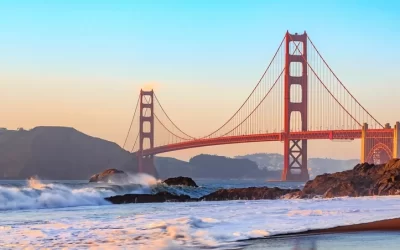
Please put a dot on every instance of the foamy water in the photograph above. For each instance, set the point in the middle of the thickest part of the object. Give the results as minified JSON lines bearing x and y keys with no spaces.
{"x":58,"y":216}
{"x":36,"y":194}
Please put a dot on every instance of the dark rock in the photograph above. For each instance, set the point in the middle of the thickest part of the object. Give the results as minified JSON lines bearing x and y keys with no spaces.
{"x":250,"y":193}
{"x":183,"y":181}
{"x":112,"y":174}
{"x":363,"y":180}
{"x":149,"y":198}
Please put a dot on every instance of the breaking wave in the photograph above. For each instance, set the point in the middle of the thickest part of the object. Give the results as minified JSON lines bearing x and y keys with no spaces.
{"x":207,"y":225}
{"x":36,"y":194}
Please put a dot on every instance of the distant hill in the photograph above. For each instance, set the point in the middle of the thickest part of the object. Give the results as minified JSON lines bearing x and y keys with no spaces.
{"x":58,"y":153}
{"x":213,"y":167}
{"x":258,"y":166}
{"x":170,"y":167}
{"x":265,"y":160}
{"x":316,"y":166}
{"x":64,"y":153}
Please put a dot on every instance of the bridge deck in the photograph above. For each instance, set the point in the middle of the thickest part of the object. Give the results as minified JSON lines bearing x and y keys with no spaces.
{"x":306,"y":135}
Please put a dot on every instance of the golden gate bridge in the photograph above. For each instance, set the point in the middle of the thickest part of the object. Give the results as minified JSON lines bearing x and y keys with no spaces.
{"x":298,"y":98}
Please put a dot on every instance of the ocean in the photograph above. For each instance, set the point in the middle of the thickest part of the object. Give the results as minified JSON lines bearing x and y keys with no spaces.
{"x":73,"y":214}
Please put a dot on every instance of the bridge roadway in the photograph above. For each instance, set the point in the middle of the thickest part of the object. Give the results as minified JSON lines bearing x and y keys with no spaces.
{"x":301,"y":135}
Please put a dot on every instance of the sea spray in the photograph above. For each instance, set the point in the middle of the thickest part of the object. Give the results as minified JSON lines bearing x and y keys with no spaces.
{"x":36,"y":194}
{"x":194,"y":192}
{"x":39,"y":195}
{"x":139,"y":179}
{"x":34,"y":182}
{"x":142,"y":183}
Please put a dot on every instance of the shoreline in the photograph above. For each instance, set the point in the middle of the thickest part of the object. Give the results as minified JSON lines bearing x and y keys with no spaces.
{"x":380,"y":225}
{"x":374,"y":226}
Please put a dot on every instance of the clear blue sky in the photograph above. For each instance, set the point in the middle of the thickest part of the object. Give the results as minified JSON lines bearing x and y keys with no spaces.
{"x":87,"y":59}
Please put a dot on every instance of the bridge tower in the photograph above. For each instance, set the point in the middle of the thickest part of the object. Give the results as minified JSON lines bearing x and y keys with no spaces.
{"x":295,"y":151}
{"x":146,"y":133}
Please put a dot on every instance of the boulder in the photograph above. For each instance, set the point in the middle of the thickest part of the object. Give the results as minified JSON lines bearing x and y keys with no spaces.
{"x":250,"y":193}
{"x":180,"y":181}
{"x":149,"y":198}
{"x":112,"y":174}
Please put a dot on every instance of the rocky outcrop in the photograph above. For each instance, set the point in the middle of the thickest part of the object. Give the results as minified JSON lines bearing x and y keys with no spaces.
{"x":363,"y":180}
{"x":251,"y":193}
{"x":149,"y":198}
{"x":180,"y":181}
{"x":114,"y":175}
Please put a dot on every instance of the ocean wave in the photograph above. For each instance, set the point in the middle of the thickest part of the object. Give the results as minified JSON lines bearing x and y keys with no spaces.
{"x":219,"y":224}
{"x":39,"y":195}
{"x":35,"y":194}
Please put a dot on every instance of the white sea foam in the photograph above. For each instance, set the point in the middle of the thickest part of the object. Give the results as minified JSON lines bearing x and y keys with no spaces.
{"x":185,"y":225}
{"x":139,"y":179}
{"x":39,"y":195}
{"x":36,"y":194}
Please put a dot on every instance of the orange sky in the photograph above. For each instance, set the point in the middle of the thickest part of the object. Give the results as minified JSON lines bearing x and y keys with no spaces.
{"x":92,"y":107}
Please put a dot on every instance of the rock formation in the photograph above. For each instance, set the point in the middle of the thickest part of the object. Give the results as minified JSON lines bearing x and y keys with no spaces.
{"x":250,"y":193}
{"x":183,"y":181}
{"x":363,"y":180}
{"x":149,"y":198}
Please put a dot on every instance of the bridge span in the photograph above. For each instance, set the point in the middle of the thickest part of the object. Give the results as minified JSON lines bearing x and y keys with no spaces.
{"x":298,"y":95}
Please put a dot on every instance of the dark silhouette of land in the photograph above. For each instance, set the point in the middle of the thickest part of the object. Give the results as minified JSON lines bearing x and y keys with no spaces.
{"x":58,"y":153}
{"x":62,"y":153}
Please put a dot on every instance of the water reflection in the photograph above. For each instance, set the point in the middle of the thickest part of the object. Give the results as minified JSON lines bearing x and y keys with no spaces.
{"x":305,"y":245}
{"x":348,"y":241}
{"x":284,"y":243}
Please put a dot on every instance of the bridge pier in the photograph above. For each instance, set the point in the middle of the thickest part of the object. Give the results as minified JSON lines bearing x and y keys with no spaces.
{"x":146,"y":165}
{"x":396,"y":140}
{"x":364,"y":143}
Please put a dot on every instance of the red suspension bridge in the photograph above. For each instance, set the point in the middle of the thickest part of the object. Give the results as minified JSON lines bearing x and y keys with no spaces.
{"x":298,"y":98}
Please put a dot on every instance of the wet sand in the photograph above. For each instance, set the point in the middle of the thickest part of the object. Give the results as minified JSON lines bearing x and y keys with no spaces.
{"x":372,"y":235}
{"x":382,"y":225}
{"x":368,"y":240}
